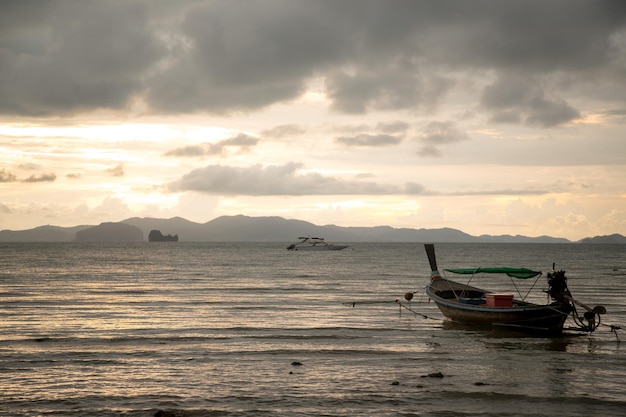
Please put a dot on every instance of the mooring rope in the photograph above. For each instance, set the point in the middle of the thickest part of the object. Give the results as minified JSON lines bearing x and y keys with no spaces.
{"x":614,"y":330}
{"x":407,"y":306}
{"x":355,"y":303}
{"x":402,"y":305}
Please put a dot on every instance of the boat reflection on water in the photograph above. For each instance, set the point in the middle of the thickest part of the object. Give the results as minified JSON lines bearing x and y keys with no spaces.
{"x":497,"y":337}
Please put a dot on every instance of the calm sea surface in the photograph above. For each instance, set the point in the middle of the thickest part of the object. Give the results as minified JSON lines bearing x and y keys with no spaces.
{"x":208,"y":329}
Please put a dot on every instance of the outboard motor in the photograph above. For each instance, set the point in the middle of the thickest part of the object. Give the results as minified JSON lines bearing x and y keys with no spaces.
{"x":557,"y":287}
{"x":559,"y":292}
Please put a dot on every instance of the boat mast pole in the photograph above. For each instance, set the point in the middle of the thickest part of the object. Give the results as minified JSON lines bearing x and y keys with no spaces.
{"x":430,"y":252}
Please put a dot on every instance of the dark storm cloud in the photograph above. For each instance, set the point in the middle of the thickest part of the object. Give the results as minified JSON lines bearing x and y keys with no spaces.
{"x":71,"y":56}
{"x":514,"y":99}
{"x":247,"y":54}
{"x":66,"y":56}
{"x":274,"y":180}
{"x":385,"y":89}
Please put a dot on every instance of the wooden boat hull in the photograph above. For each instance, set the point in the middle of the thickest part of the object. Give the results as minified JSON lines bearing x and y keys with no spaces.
{"x":526,"y":316}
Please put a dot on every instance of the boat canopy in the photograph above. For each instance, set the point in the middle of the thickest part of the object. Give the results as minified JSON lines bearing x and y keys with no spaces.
{"x":522,"y":273}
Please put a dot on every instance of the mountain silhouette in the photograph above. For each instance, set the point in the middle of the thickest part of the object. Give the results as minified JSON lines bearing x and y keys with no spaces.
{"x":241,"y":228}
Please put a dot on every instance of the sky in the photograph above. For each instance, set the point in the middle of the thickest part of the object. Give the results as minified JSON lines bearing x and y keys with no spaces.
{"x":487,"y":116}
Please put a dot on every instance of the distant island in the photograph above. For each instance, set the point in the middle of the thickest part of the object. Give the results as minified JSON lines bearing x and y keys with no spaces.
{"x":614,"y":238}
{"x":157,"y":236}
{"x":266,"y":229}
{"x":110,"y":232}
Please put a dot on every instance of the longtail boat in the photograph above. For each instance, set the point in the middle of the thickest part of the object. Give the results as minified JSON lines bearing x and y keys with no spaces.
{"x":463,"y":303}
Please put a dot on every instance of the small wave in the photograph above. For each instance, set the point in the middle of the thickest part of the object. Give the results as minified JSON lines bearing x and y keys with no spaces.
{"x":306,"y":337}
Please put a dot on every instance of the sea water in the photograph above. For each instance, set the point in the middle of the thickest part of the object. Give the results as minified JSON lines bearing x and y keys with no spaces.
{"x":251,"y":329}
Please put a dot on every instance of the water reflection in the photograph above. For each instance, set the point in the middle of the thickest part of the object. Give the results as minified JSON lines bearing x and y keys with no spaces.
{"x":506,"y":338}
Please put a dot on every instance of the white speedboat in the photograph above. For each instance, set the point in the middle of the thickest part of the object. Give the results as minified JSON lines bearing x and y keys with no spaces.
{"x":314,"y":243}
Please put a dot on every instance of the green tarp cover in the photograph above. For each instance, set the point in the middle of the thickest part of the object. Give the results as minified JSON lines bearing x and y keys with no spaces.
{"x":521,"y":273}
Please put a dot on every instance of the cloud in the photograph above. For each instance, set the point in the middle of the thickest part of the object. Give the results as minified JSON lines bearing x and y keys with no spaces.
{"x":245,"y":55}
{"x":395,"y":127}
{"x":242,"y":141}
{"x":437,"y":134}
{"x":289,"y":179}
{"x":412,"y":188}
{"x":616,"y":113}
{"x":185,"y":151}
{"x":501,"y":192}
{"x":429,"y":151}
{"x":63,"y":57}
{"x":398,"y":56}
{"x":386,"y":133}
{"x":41,"y":178}
{"x":284,"y":131}
{"x":516,"y":99}
{"x":117,"y":170}
{"x":363,"y":91}
{"x":545,"y":112}
{"x":30,"y":166}
{"x":66,"y":57}
{"x":6,"y":176}
{"x":369,"y":140}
